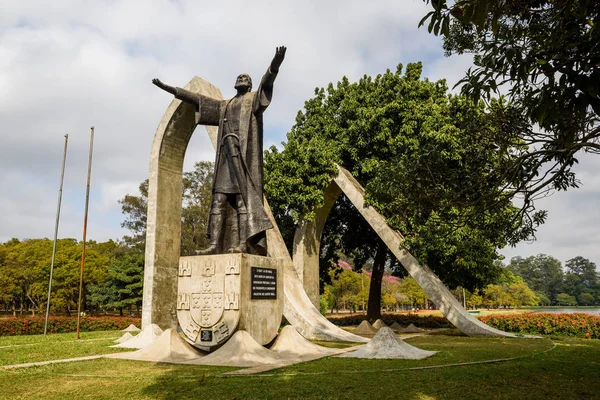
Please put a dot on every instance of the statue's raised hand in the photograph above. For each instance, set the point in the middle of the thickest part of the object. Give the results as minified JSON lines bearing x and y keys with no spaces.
{"x":164,"y":86}
{"x":158,"y":83}
{"x":278,"y":58}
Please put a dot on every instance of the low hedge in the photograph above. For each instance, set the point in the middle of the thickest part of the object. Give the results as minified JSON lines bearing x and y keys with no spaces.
{"x":421,"y":321}
{"x":563,"y":324}
{"x":35,"y":325}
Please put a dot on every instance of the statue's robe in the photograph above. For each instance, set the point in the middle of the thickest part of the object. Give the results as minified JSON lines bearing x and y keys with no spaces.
{"x":211,"y":111}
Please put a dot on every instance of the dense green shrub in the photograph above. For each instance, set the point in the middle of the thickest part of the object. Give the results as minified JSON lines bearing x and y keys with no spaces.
{"x":35,"y":325}
{"x":421,"y":321}
{"x":564,"y":324}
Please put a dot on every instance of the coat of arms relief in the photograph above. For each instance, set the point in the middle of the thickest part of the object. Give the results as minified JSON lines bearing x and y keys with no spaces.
{"x":208,"y":298}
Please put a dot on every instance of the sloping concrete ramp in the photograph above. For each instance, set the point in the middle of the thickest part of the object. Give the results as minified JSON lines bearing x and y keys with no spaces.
{"x":307,"y":245}
{"x":387,"y":345}
{"x":169,"y":347}
{"x":431,"y":284}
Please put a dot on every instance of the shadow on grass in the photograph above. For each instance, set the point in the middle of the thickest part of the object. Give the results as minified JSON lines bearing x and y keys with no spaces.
{"x":567,"y":371}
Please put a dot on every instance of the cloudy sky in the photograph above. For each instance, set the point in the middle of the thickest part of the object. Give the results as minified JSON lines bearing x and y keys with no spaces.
{"x":68,"y":65}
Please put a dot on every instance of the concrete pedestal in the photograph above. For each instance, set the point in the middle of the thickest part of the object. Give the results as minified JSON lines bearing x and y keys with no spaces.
{"x":220,"y":294}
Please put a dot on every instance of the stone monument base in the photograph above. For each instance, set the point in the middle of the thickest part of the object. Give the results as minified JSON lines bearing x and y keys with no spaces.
{"x":220,"y":294}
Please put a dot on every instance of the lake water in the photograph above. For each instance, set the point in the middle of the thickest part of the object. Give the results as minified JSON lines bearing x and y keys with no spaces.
{"x":595,"y":311}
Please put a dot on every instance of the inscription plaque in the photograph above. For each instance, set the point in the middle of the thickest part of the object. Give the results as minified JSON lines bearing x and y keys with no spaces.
{"x":263,"y":283}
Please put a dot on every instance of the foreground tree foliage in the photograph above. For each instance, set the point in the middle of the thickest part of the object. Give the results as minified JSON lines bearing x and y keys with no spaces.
{"x":546,"y":54}
{"x":430,"y":162}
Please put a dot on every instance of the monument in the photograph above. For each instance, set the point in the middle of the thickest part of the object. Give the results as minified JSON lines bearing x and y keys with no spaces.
{"x":203,"y":296}
{"x":231,"y":285}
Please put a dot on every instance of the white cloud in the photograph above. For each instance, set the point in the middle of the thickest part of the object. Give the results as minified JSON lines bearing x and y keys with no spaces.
{"x":70,"y":64}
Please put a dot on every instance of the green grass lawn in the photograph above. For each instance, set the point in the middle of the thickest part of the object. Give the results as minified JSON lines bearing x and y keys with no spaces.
{"x":33,"y":348}
{"x":542,"y":369}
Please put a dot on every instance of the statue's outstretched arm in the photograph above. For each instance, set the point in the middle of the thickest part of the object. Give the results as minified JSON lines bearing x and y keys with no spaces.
{"x":181,"y":94}
{"x":265,"y":94}
{"x":164,"y":86}
{"x":277,"y":59}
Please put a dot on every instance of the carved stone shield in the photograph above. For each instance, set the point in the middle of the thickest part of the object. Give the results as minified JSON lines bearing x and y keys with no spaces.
{"x":208,"y":298}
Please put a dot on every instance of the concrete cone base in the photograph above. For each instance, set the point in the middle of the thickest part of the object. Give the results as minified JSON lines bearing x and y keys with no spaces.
{"x":290,"y":344}
{"x":411,"y":329}
{"x":126,"y":336}
{"x":379,"y":324}
{"x":387,"y":345}
{"x":131,"y":328}
{"x":240,"y":351}
{"x":365,"y":328}
{"x":168,"y":347}
{"x":396,"y":327}
{"x":146,"y":336}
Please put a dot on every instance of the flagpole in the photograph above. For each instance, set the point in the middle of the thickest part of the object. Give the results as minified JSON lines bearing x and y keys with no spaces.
{"x":62,"y":177}
{"x":87,"y":200}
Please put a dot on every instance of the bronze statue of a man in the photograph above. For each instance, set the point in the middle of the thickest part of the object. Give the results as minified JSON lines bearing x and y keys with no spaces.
{"x":237,"y":220}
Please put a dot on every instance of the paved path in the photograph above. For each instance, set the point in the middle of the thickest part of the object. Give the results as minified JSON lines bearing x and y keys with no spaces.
{"x":66,"y":341}
{"x":33,"y":364}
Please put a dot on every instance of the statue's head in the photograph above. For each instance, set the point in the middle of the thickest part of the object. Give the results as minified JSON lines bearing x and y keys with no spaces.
{"x":243,"y":81}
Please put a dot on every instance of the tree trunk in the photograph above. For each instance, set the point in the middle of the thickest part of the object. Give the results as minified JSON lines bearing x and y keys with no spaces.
{"x":374,"y":303}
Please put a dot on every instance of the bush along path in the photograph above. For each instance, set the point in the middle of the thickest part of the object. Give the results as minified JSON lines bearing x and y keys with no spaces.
{"x":579,"y":325}
{"x":35,"y":325}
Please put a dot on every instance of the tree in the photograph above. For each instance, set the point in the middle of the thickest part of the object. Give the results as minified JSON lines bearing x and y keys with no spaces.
{"x":135,"y":209}
{"x":421,"y":155}
{"x":564,"y":299}
{"x":25,"y":268}
{"x":347,"y":233}
{"x":388,"y":300}
{"x":586,"y":299}
{"x":197,"y":191}
{"x":586,"y":272}
{"x":542,"y":273}
{"x":410,"y":288}
{"x":543,"y":299}
{"x":122,"y":287}
{"x":548,"y":55}
{"x":196,"y":194}
{"x":345,"y":286}
{"x":474,"y":300}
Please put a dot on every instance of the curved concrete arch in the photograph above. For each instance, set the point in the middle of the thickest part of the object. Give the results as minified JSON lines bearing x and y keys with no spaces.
{"x":307,"y":245}
{"x":163,"y":231}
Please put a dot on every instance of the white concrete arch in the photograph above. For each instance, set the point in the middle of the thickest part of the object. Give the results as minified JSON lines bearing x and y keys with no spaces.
{"x":307,"y":245}
{"x":163,"y":231}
